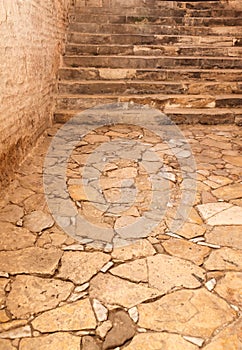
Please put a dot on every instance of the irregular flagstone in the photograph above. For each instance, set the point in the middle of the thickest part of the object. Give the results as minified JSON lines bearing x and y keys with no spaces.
{"x":230,"y":288}
{"x":190,"y":230}
{"x":34,"y":202}
{"x":11,"y":213}
{"x":101,"y":311}
{"x":228,"y":339}
{"x":229,"y":192}
{"x":229,"y":236}
{"x":37,"y":221}
{"x":186,"y":250}
{"x":167,"y":273}
{"x":70,"y":317}
{"x":234,"y":160}
{"x":155,"y":341}
{"x":138,"y":249}
{"x":54,"y":341}
{"x":3,"y":284}
{"x":6,"y":345}
{"x":230,"y":216}
{"x":123,"y":329}
{"x":135,"y":271}
{"x":80,"y":267}
{"x":196,"y":313}
{"x":89,"y":343}
{"x":30,"y":295}
{"x":30,"y":260}
{"x":224,"y":259}
{"x":13,"y":237}
{"x":21,"y":332}
{"x":210,"y":209}
{"x":12,"y":325}
{"x":111,"y":290}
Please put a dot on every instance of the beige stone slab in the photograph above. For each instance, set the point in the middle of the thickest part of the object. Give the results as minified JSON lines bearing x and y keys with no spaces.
{"x":138,"y":249}
{"x":30,"y":295}
{"x":190,"y":230}
{"x":13,"y":237}
{"x":63,"y":341}
{"x":155,"y":341}
{"x":70,"y":317}
{"x":230,"y":288}
{"x":135,"y":271}
{"x":186,"y":250}
{"x":37,"y":221}
{"x":30,"y":260}
{"x":229,"y":192}
{"x":228,"y":339}
{"x":112,"y":290}
{"x":210,"y":209}
{"x":3,"y":284}
{"x":234,"y":160}
{"x":224,"y":259}
{"x":6,"y":345}
{"x":80,"y":267}
{"x":11,"y":213}
{"x":230,"y":236}
{"x":167,"y":273}
{"x":230,"y":216}
{"x":196,"y":313}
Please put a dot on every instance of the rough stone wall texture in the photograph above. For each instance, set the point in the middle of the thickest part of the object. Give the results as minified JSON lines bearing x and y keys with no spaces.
{"x":32,"y":36}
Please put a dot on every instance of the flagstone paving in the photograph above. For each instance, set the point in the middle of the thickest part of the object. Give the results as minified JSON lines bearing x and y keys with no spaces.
{"x":166,"y":290}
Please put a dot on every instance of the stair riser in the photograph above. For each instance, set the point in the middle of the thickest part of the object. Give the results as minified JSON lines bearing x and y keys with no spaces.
{"x":71,"y":103}
{"x":152,"y":20}
{"x":176,"y":40}
{"x":145,"y":50}
{"x":164,"y":62}
{"x":150,"y":88}
{"x":151,"y":29}
{"x":175,"y":75}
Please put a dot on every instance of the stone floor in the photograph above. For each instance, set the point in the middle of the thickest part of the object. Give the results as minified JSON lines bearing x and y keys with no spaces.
{"x":170,"y":290}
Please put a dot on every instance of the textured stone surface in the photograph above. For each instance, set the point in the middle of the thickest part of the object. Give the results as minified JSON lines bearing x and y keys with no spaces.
{"x":79,"y":267}
{"x":135,"y":271}
{"x":224,"y":259}
{"x":31,"y":294}
{"x":230,"y":288}
{"x":195,"y":313}
{"x":230,"y":216}
{"x":229,"y":236}
{"x":6,"y":345}
{"x":230,"y":338}
{"x":191,"y":230}
{"x":55,"y":341}
{"x":154,"y":341}
{"x":111,"y":290}
{"x":167,"y":273}
{"x":11,"y":213}
{"x":21,"y":332}
{"x":229,"y":192}
{"x":30,"y":260}
{"x":38,"y":221}
{"x":89,"y":343}
{"x":123,"y":329}
{"x":75,"y":316}
{"x":186,"y":250}
{"x":3,"y":284}
{"x":13,"y":237}
{"x":139,"y":249}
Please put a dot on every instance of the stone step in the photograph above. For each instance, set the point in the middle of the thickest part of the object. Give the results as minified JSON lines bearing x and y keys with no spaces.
{"x":148,"y":87}
{"x":138,"y":62}
{"x":86,"y":73}
{"x":212,"y":11}
{"x":152,"y":50}
{"x":144,"y":39}
{"x":219,"y":16}
{"x":151,"y":20}
{"x":153,"y":29}
{"x":178,"y":115}
{"x":74,"y":102}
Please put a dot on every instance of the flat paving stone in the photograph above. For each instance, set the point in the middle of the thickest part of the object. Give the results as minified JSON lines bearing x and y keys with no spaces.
{"x":6,"y":345}
{"x":30,"y":295}
{"x":135,"y":271}
{"x":138,"y":249}
{"x":154,"y":341}
{"x":227,"y":236}
{"x":30,"y":260}
{"x":13,"y":237}
{"x":224,"y":259}
{"x":196,"y":313}
{"x":37,"y":221}
{"x":80,"y":267}
{"x":70,"y":317}
{"x":54,"y":341}
{"x":230,"y":288}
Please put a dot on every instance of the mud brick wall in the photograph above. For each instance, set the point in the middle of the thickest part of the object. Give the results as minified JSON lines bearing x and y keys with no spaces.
{"x":32,"y":36}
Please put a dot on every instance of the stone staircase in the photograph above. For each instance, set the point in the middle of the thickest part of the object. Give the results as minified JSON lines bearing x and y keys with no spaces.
{"x":182,"y":57}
